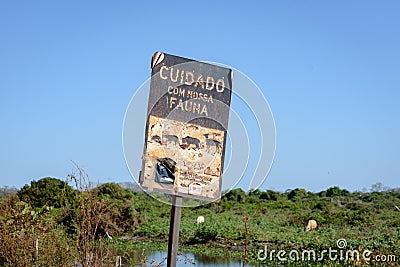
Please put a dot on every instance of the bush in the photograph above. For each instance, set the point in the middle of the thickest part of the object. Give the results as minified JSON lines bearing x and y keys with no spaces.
{"x":237,"y":195}
{"x":49,"y":192}
{"x":205,"y":232}
{"x":297,"y":194}
{"x":357,"y":219}
{"x":255,"y":192}
{"x":110,"y":190}
{"x":336,"y":191}
{"x":395,"y":222}
{"x":270,"y":195}
{"x":21,"y":226}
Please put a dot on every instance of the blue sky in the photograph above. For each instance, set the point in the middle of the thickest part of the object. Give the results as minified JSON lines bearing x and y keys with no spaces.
{"x":329,"y":70}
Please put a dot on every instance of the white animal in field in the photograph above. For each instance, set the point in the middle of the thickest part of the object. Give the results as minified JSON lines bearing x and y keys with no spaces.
{"x":200,"y":219}
{"x":311,"y":225}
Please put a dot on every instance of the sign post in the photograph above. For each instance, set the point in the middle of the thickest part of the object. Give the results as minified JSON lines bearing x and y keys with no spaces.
{"x":174,"y":231}
{"x":185,"y":137}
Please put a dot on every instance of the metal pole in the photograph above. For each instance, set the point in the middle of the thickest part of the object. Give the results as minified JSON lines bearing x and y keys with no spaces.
{"x":174,"y":231}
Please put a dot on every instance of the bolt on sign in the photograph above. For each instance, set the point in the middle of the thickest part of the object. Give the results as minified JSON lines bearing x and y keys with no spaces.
{"x":186,"y":127}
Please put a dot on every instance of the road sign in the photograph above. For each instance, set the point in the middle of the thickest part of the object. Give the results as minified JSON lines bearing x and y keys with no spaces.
{"x":186,"y":127}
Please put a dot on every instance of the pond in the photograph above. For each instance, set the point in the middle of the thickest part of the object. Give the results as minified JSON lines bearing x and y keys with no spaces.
{"x":185,"y":259}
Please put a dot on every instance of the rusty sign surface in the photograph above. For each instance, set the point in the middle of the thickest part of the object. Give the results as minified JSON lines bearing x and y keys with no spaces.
{"x":186,"y":127}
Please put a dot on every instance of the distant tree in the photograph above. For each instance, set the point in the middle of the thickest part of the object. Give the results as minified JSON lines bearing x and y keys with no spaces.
{"x":345,"y":193}
{"x":270,"y":195}
{"x":236,"y":195}
{"x":255,"y":192}
{"x":111,"y":190}
{"x":379,"y":187}
{"x":364,"y":190}
{"x":47,"y":192}
{"x":297,"y":193}
{"x":6,"y":191}
{"x":253,"y":196}
{"x":333,"y":191}
{"x":322,"y":193}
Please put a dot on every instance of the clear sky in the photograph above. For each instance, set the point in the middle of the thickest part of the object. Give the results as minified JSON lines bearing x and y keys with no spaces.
{"x":330,"y":71}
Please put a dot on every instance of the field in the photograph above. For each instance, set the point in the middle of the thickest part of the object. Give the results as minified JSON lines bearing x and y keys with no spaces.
{"x":94,"y":225}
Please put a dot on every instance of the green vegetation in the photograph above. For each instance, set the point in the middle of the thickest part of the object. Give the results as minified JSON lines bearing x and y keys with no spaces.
{"x":74,"y":224}
{"x":47,"y":192}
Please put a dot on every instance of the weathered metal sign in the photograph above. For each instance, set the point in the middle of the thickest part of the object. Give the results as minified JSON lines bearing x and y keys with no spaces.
{"x":187,"y":122}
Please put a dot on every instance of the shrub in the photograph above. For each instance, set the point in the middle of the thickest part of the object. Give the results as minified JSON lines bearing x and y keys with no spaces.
{"x":49,"y":192}
{"x":110,"y":190}
{"x":255,"y":192}
{"x":237,"y":195}
{"x":270,"y":195}
{"x":336,"y":191}
{"x":297,"y":194}
{"x":205,"y":232}
{"x":21,"y":226}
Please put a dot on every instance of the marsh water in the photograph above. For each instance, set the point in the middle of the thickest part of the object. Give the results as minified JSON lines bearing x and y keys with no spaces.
{"x":185,"y":259}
